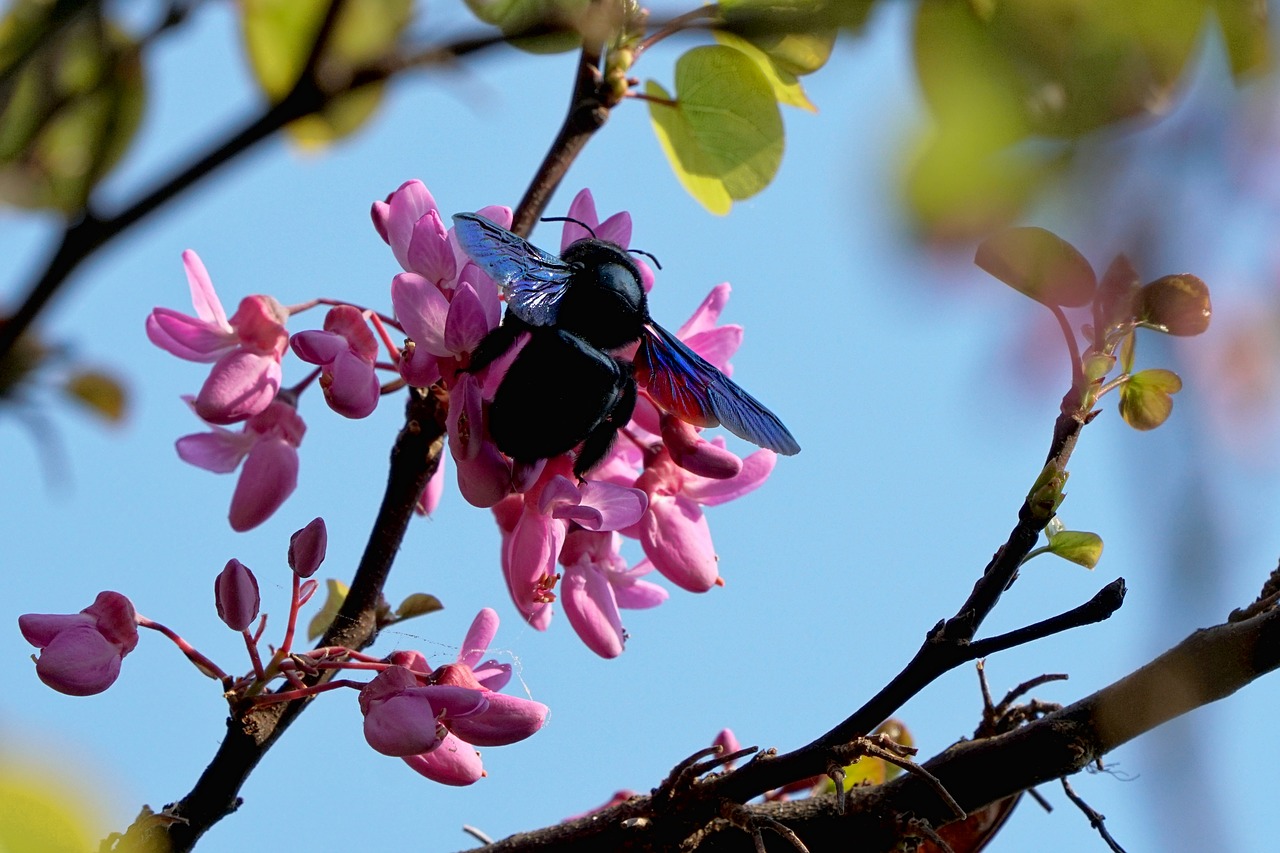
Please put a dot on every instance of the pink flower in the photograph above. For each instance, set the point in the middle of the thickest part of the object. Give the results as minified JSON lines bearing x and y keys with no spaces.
{"x":597,"y":583}
{"x":80,"y":654}
{"x":307,"y":548}
{"x":247,"y":349}
{"x":268,"y":446}
{"x":673,"y":531}
{"x":346,"y":350}
{"x":443,"y":713}
{"x":531,"y":548}
{"x":235,"y":591}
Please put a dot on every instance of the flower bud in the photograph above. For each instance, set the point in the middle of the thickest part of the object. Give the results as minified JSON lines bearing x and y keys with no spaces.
{"x":307,"y":548}
{"x":80,"y":653}
{"x":1177,"y":305}
{"x":235,"y":592}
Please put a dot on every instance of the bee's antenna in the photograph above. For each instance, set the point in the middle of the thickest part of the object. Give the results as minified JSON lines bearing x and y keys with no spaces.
{"x":585,"y":226}
{"x":647,"y":255}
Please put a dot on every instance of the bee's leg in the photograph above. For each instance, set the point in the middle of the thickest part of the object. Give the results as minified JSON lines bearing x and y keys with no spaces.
{"x":597,"y":443}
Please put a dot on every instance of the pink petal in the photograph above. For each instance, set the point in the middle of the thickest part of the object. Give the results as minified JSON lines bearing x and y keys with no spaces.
{"x":486,"y":293}
{"x":241,"y":385}
{"x":422,"y":309}
{"x":79,"y":662}
{"x":486,"y":479}
{"x":380,"y":212}
{"x":259,"y":323}
{"x":219,"y":451}
{"x":481,"y":633}
{"x":638,"y":595}
{"x":531,"y":558}
{"x":39,"y":629}
{"x":430,"y":497}
{"x":706,"y":315}
{"x":269,"y":476}
{"x":507,"y":719}
{"x":467,"y":324}
{"x":465,"y":423}
{"x":420,"y":369}
{"x":451,"y":763}
{"x":353,"y":389}
{"x":349,"y":322}
{"x":717,"y":346}
{"x":203,"y":297}
{"x":188,"y":337}
{"x":456,"y":703}
{"x":317,"y":347}
{"x":583,"y":209}
{"x":429,"y":250}
{"x":756,"y":468}
{"x":406,"y":206}
{"x":116,"y":619}
{"x":618,"y":506}
{"x":493,"y":675}
{"x":557,"y":493}
{"x":591,"y":609}
{"x":402,"y":725}
{"x":676,"y":538}
{"x":616,"y":229}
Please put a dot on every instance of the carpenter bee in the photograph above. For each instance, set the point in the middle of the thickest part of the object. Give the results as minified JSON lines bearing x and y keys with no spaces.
{"x":573,"y":383}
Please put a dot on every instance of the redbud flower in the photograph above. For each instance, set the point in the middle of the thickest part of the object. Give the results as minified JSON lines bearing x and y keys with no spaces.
{"x":346,"y":351}
{"x":247,"y":349}
{"x":597,"y":583}
{"x":80,"y":653}
{"x":307,"y":548}
{"x":268,"y":446}
{"x":235,"y":591}
{"x":403,"y":717}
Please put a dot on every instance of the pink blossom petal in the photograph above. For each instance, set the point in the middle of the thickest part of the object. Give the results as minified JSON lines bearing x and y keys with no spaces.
{"x":116,"y":619}
{"x":465,"y":423}
{"x":259,"y":323}
{"x":583,"y":209}
{"x":618,"y":506}
{"x":487,"y":293}
{"x":616,"y":229}
{"x":353,"y":390}
{"x":492,"y":675}
{"x":419,"y":368}
{"x":531,"y":559}
{"x":39,"y":629}
{"x":695,"y":454}
{"x":380,"y":213}
{"x":317,"y":347}
{"x":706,"y":315}
{"x":422,"y":309}
{"x":676,"y":538}
{"x":506,"y":720}
{"x":717,"y":346}
{"x":219,"y":451}
{"x":402,"y":725}
{"x":486,"y":479}
{"x":203,"y":297}
{"x":188,"y":337}
{"x":590,"y":607}
{"x":453,"y":762}
{"x":406,"y":206}
{"x":456,"y":703}
{"x":79,"y":661}
{"x":429,"y":251}
{"x":431,"y":493}
{"x":466,"y":325}
{"x":269,"y":476}
{"x":557,"y":493}
{"x":241,"y":385}
{"x":481,"y":633}
{"x":756,"y":468}
{"x":349,"y":322}
{"x":638,"y":594}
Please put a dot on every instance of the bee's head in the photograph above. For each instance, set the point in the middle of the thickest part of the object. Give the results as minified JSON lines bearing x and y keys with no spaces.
{"x":606,"y":302}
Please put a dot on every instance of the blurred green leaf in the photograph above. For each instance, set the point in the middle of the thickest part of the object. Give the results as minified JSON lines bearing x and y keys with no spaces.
{"x":69,"y":111}
{"x":724,"y":136}
{"x":786,"y":87}
{"x":1078,"y":546}
{"x":1146,"y":399}
{"x":1040,"y":264}
{"x":280,"y":36}
{"x":766,"y":20}
{"x":101,"y":393}
{"x":1245,"y":31}
{"x":521,"y":16}
{"x":335,"y":593}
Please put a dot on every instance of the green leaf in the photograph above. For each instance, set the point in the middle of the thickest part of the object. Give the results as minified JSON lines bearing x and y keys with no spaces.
{"x":724,"y":136}
{"x":101,"y":393}
{"x":1146,"y":399}
{"x":1245,"y":31}
{"x":1039,"y":264}
{"x":72,"y":108}
{"x":786,"y":87}
{"x":520,"y":16}
{"x":1079,"y":547}
{"x":417,"y":604}
{"x":335,"y":593}
{"x":280,"y":35}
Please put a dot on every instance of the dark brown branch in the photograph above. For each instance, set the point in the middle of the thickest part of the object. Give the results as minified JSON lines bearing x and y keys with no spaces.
{"x":1208,"y":665}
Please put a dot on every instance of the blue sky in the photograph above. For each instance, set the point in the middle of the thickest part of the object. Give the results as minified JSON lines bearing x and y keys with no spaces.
{"x":897,"y":366}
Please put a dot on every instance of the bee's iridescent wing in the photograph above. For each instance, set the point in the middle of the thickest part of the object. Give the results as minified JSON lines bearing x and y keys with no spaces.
{"x":532,"y":280}
{"x":684,"y":384}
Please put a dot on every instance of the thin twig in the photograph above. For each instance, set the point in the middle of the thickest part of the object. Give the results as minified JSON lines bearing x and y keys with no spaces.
{"x":1096,"y":820}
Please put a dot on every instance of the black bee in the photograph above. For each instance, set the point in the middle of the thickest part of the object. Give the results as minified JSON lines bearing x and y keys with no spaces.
{"x":570,"y":384}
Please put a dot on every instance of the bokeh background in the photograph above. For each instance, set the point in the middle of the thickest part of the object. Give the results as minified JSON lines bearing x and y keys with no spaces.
{"x":922,"y":391}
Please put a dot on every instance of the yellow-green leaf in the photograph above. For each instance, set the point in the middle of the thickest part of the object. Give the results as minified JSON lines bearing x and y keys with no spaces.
{"x":101,"y":393}
{"x":71,"y":111}
{"x":1078,"y":546}
{"x":280,"y":36}
{"x":418,"y":604}
{"x":786,"y":87}
{"x":724,"y":136}
{"x":1146,"y":401}
{"x":521,"y":16}
{"x":1245,"y":31}
{"x":335,"y":594}
{"x":1040,"y":264}
{"x":43,"y":813}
